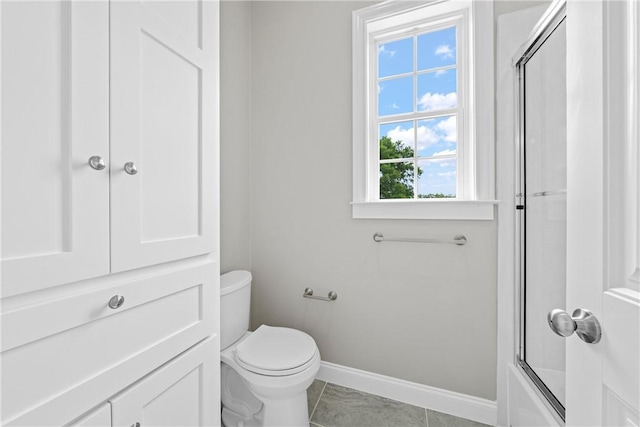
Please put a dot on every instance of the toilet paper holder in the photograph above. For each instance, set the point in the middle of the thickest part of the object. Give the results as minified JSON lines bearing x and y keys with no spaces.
{"x":308,"y":293}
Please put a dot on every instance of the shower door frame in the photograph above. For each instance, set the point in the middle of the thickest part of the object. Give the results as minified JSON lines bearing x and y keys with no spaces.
{"x":549,"y":22}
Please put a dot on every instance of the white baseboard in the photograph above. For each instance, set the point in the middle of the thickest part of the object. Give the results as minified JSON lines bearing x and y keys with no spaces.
{"x":449,"y":402}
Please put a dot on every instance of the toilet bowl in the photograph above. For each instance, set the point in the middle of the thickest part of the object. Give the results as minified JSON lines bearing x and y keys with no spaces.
{"x":264,"y":374}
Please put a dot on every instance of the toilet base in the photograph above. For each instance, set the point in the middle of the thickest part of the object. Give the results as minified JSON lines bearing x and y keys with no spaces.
{"x":291,"y":411}
{"x":287,"y":412}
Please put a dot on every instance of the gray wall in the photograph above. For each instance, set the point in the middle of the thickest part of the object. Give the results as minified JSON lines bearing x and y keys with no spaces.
{"x":424,"y":313}
{"x":235,"y":135}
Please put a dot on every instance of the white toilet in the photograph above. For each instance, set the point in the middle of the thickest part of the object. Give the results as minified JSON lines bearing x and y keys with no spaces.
{"x":264,"y":374}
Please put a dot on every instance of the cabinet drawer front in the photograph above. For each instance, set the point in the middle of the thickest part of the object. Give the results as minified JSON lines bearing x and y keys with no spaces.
{"x":82,"y":345}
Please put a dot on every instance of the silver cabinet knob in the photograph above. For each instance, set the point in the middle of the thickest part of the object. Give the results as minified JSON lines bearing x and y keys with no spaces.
{"x":97,"y":163}
{"x":582,"y":322}
{"x":116,"y":301}
{"x":130,"y":168}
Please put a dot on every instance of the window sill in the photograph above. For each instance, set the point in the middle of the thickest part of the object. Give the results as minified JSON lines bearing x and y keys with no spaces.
{"x":425,"y":209}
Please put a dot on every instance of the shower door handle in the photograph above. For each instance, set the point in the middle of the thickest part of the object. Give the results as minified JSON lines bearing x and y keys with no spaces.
{"x":582,"y":322}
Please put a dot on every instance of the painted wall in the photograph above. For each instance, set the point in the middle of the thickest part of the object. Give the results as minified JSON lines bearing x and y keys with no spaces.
{"x":424,"y":313}
{"x":235,"y":135}
{"x":420,"y":312}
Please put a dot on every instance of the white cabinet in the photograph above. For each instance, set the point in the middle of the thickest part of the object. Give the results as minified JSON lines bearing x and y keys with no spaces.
{"x":176,"y":394}
{"x":55,"y":115}
{"x":179,"y":393}
{"x":134,"y":83}
{"x":99,"y":417}
{"x":163,"y":116}
{"x":62,"y":357}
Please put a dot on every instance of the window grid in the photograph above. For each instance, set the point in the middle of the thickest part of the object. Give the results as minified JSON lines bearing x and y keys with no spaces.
{"x":415,"y":116}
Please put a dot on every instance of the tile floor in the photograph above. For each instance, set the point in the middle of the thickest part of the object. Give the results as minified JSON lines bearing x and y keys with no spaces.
{"x":331,"y":405}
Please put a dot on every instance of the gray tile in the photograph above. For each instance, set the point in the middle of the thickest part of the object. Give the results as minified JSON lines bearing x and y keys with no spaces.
{"x":345,"y":407}
{"x":438,"y":419}
{"x":313,"y":394}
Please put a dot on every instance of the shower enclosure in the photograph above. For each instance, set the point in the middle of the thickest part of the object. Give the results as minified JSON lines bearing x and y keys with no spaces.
{"x":541,"y":201}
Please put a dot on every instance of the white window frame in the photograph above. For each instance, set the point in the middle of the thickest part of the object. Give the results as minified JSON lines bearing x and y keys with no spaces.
{"x":476,"y":181}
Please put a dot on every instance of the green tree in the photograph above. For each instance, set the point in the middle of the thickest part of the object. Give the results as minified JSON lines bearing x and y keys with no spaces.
{"x":396,"y":179}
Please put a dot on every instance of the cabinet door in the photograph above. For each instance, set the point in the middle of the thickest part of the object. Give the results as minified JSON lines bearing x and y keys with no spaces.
{"x":55,"y":94}
{"x":184,"y":392}
{"x":164,"y":120}
{"x":99,"y":417}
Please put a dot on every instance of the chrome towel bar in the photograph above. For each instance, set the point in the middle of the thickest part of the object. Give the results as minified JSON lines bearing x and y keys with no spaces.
{"x":308,"y":293}
{"x":458,"y":239}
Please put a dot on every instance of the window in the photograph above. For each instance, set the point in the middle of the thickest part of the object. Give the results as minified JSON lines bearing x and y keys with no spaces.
{"x":420,"y":150}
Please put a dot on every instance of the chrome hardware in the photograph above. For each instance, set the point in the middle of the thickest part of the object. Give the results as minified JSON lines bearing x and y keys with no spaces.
{"x":548,"y":193}
{"x":130,"y":168}
{"x":308,"y":293}
{"x":116,"y":302}
{"x":458,"y":239}
{"x":97,"y":163}
{"x":582,"y":322}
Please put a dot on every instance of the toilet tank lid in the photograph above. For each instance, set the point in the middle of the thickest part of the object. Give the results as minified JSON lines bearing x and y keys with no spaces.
{"x":234,"y":280}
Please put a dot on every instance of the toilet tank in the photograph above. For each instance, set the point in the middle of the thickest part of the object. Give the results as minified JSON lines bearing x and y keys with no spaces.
{"x":235,"y":301}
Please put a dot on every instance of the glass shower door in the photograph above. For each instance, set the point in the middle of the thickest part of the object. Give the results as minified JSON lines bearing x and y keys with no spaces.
{"x":542,"y":208}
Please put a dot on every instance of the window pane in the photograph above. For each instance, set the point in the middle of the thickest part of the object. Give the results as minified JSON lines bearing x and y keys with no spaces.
{"x":395,"y":57}
{"x":438,"y":137}
{"x":396,"y":180}
{"x":437,"y":49}
{"x":397,"y":140}
{"x":437,"y":178}
{"x":395,"y":96}
{"x":437,"y":90}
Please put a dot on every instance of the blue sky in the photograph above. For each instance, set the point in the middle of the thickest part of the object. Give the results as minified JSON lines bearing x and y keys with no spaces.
{"x":436,"y":90}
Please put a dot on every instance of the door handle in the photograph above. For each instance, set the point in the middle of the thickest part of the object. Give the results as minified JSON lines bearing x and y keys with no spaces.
{"x":582,"y":322}
{"x":130,"y":168}
{"x":97,"y":163}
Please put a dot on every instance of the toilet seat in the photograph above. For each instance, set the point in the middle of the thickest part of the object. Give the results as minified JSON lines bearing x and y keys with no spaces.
{"x":274,"y":351}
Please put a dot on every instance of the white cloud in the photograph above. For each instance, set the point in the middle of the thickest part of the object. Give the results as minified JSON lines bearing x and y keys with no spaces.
{"x":395,"y":106}
{"x":450,"y":129}
{"x":383,"y":51}
{"x":447,"y":174}
{"x":441,"y":73}
{"x":444,"y":51}
{"x":437,"y":101}
{"x":404,"y":135}
{"x":428,"y":135}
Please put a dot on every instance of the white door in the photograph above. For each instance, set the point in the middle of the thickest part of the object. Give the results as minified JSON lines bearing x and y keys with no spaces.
{"x":603,"y":225}
{"x":184,"y":392}
{"x":164,"y":84}
{"x":55,"y":112}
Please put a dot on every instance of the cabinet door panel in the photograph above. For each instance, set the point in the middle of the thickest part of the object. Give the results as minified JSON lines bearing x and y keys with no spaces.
{"x":99,"y":417}
{"x":55,"y":219}
{"x":184,"y":392}
{"x":164,"y":119}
